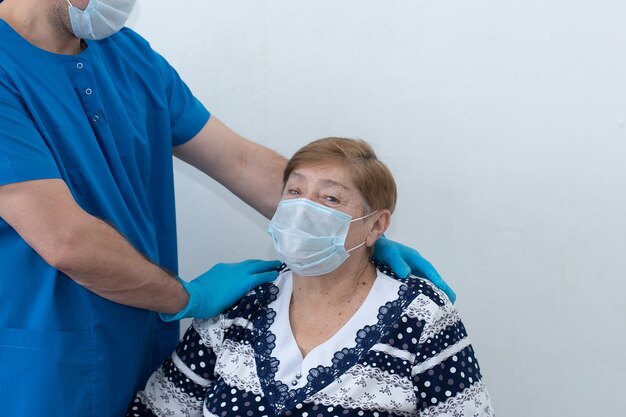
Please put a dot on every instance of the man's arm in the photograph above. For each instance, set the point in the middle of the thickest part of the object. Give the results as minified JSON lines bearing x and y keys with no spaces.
{"x":250,"y":171}
{"x":85,"y":248}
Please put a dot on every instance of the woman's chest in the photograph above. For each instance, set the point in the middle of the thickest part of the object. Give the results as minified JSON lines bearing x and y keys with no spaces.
{"x":359,"y":371}
{"x":375,"y":383}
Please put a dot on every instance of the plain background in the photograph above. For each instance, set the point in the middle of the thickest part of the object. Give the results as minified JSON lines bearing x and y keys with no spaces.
{"x":504,"y":124}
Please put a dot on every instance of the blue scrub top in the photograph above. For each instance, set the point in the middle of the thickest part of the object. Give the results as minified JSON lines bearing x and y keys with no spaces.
{"x":105,"y":122}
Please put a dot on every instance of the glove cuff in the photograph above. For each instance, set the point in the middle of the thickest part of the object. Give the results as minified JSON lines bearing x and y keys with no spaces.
{"x":189,"y":310}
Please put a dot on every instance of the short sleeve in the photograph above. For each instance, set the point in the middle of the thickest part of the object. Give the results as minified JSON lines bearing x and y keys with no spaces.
{"x":446,"y":375}
{"x":24,"y":154}
{"x":188,"y":116}
{"x":178,"y":387}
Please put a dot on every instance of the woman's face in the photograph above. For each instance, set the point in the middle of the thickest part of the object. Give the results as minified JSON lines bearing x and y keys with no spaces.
{"x":331,"y":185}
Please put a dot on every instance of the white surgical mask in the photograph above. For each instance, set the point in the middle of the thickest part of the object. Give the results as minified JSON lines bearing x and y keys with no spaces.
{"x":100,"y":19}
{"x":310,"y":237}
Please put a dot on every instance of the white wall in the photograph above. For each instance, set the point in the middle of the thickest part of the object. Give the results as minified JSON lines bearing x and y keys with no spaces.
{"x":504,"y":123}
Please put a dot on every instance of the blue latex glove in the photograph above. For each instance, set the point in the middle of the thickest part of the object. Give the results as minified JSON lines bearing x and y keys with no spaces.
{"x":403,"y":260}
{"x":221,"y":286}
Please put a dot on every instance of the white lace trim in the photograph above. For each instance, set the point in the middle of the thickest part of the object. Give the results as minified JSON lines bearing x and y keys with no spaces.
{"x":238,"y":321}
{"x":173,"y":402}
{"x":437,"y":318}
{"x":237,"y":366}
{"x":211,"y":331}
{"x":474,"y":401}
{"x":421,"y":308}
{"x":369,"y":388}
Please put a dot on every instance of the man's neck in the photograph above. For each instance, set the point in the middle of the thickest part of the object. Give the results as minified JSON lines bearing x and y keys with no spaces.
{"x":40,"y":26}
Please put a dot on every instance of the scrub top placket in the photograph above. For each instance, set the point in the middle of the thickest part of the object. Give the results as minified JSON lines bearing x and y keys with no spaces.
{"x":80,"y":70}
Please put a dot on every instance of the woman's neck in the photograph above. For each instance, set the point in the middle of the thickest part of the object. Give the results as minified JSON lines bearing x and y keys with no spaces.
{"x":321,"y":306}
{"x":333,"y":289}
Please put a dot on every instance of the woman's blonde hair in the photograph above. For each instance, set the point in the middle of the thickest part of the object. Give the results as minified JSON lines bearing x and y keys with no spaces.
{"x":372,"y":177}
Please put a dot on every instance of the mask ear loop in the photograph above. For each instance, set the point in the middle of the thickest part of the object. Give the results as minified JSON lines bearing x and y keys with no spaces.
{"x":356,"y":247}
{"x":360,"y":218}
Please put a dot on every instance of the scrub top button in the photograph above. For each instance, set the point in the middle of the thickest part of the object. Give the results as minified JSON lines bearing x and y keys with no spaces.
{"x":294,"y":382}
{"x":95,"y":118}
{"x":298,"y":376}
{"x":88,"y":91}
{"x":79,"y":65}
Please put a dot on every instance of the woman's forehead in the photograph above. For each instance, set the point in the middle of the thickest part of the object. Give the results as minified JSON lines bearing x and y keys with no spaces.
{"x":331,"y":174}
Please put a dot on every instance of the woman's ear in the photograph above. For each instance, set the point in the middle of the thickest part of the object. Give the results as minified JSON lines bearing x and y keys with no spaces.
{"x":381,"y":221}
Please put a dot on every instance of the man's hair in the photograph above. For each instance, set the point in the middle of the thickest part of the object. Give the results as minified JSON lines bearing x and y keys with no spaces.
{"x":372,"y":177}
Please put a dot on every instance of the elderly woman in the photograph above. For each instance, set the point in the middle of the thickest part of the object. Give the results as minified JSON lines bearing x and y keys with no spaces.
{"x":334,"y":335}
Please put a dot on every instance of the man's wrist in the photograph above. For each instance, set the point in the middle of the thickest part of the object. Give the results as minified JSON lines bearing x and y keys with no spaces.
{"x":185,"y":306}
{"x":185,"y":295}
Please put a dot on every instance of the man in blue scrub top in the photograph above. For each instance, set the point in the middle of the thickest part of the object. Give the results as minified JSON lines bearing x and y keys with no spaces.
{"x":90,"y":116}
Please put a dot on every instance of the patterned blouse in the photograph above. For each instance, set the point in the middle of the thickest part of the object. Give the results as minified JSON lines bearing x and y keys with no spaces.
{"x":405,"y":352}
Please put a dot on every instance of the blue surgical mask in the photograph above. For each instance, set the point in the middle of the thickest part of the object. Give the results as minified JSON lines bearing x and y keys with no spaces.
{"x":100,"y":19}
{"x":310,"y":237}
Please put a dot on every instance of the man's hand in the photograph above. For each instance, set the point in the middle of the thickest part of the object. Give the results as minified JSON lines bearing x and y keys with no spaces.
{"x":221,"y":286}
{"x":403,"y":260}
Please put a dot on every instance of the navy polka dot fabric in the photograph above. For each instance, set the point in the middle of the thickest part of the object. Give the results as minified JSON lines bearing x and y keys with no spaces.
{"x":414,"y":359}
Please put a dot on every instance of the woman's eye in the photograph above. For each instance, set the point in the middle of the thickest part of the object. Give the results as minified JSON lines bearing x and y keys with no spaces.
{"x":293,"y":192}
{"x":331,"y":199}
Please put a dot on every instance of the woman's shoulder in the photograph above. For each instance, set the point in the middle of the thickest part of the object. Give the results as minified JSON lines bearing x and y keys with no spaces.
{"x":253,"y":302}
{"x":241,"y":314}
{"x":420,"y":312}
{"x":414,"y":287}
